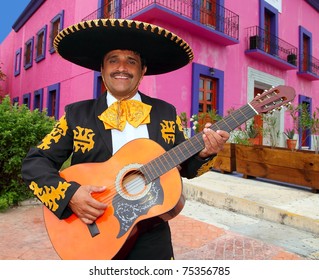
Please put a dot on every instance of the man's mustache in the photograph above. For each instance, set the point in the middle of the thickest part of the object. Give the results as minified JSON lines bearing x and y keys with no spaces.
{"x":125,"y":74}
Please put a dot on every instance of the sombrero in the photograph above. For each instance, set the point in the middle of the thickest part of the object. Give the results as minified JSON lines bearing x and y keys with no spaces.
{"x":87,"y":42}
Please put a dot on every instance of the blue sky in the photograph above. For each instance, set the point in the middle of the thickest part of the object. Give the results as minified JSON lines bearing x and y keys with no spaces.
{"x":9,"y":12}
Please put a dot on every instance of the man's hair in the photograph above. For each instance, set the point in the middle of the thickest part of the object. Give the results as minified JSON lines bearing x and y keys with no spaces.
{"x":143,"y":60}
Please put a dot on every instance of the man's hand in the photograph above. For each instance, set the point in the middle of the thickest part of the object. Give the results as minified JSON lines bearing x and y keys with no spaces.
{"x":85,"y":206}
{"x":214,"y":141}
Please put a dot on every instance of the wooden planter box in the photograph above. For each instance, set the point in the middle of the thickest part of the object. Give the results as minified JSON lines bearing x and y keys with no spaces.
{"x":280,"y":164}
{"x":225,"y":160}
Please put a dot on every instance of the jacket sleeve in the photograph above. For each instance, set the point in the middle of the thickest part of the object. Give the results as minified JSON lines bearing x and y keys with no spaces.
{"x":40,"y":169}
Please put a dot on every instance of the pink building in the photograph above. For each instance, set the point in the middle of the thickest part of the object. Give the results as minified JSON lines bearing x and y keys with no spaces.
{"x":240,"y":48}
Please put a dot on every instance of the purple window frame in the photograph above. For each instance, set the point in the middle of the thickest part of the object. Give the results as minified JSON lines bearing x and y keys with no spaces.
{"x":59,"y":16}
{"x":28,"y":44}
{"x":43,"y":31}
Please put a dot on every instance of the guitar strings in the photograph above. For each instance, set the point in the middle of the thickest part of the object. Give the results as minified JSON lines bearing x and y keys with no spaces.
{"x":135,"y":186}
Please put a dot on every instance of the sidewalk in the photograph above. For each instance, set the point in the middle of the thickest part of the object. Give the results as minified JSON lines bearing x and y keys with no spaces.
{"x":279,"y":214}
{"x":286,"y":204}
{"x":23,"y":234}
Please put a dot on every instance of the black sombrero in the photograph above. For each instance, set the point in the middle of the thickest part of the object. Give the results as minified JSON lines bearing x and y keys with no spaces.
{"x":87,"y":42}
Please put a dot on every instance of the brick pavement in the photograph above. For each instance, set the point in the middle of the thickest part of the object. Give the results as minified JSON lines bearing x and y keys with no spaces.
{"x":23,"y":236}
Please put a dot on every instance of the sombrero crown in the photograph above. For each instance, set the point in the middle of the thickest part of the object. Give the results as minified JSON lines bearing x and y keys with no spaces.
{"x":87,"y":42}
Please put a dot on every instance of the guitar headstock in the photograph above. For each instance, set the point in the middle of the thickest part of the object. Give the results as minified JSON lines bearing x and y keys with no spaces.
{"x":272,"y":99}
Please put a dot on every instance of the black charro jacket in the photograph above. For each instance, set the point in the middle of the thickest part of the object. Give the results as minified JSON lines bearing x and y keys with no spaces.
{"x":81,"y":133}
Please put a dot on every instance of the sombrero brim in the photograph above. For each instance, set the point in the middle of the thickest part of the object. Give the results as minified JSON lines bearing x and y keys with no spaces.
{"x":87,"y":42}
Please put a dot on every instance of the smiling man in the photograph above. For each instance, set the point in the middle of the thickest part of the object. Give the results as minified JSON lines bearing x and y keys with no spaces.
{"x":98,"y":130}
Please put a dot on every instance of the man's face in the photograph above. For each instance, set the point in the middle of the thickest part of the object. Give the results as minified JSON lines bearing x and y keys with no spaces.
{"x":122,"y":72}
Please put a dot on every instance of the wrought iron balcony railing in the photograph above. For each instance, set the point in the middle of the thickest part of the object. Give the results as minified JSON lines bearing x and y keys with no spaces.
{"x":260,"y":39}
{"x":212,"y":15}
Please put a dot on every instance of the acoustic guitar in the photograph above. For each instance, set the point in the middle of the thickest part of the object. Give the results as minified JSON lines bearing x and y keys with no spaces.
{"x":144,"y":188}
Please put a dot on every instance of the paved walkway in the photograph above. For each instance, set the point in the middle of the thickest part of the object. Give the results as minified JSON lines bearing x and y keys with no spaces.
{"x":23,"y":237}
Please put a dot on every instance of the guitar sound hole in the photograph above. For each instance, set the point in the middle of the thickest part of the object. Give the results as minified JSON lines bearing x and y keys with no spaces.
{"x":130,"y":182}
{"x":133,"y":183}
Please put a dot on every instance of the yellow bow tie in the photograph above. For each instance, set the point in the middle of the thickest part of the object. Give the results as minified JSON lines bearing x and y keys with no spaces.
{"x":120,"y":112}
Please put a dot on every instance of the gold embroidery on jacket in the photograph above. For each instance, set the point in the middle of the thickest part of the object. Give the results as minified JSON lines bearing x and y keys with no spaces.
{"x":50,"y":195}
{"x":168,"y":131}
{"x":205,"y":167}
{"x":83,"y":139}
{"x":179,"y":123}
{"x":57,"y":132}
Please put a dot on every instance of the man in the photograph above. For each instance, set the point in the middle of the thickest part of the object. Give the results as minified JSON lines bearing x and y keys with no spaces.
{"x":124,"y":51}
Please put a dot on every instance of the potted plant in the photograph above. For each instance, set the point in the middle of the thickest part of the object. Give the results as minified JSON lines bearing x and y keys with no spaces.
{"x":252,"y":132}
{"x":291,"y":142}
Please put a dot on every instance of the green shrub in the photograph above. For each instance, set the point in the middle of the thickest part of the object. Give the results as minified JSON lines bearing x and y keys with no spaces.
{"x":20,"y":129}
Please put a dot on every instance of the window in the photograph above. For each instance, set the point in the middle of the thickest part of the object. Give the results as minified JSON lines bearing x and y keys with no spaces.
{"x":56,"y":25}
{"x":27,"y":99}
{"x":269,"y":28}
{"x":305,"y":53}
{"x":208,"y":12}
{"x":308,"y":64}
{"x":40,"y":44}
{"x":54,"y":100}
{"x":28,"y":53}
{"x":107,"y":8}
{"x":38,"y":100}
{"x":17,"y":62}
{"x":206,"y":98}
{"x":305,"y":44}
{"x":207,"y":90}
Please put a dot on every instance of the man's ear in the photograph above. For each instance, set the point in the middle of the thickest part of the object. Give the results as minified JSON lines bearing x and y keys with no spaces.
{"x":144,"y":70}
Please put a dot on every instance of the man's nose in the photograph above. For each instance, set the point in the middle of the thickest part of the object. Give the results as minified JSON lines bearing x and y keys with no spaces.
{"x":122,"y":66}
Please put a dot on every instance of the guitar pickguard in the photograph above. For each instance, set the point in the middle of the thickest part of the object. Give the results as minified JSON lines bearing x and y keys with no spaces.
{"x":127,"y":211}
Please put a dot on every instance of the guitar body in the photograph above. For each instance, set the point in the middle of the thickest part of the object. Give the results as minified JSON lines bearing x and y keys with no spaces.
{"x":133,"y":204}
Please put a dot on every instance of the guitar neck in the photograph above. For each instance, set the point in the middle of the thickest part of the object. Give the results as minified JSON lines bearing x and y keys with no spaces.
{"x":170,"y":159}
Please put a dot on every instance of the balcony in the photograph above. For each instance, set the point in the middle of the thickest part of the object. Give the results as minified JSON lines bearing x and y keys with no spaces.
{"x":309,"y":68}
{"x":216,"y":24}
{"x":270,"y":49}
